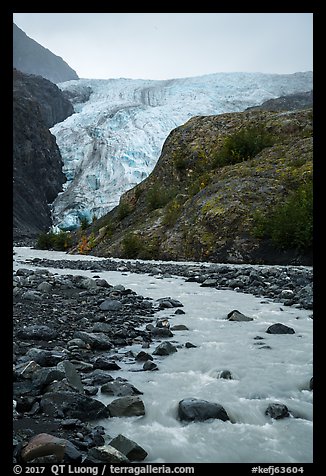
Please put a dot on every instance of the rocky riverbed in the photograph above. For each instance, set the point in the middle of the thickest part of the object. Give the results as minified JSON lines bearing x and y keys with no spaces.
{"x":71,"y":337}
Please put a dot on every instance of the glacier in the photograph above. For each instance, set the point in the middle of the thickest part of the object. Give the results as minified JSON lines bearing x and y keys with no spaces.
{"x":114,"y":139}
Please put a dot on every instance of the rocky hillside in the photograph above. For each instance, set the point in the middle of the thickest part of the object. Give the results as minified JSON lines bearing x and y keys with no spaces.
{"x":31,"y":57}
{"x":37,"y":163}
{"x":234,"y":187}
{"x":289,"y":102}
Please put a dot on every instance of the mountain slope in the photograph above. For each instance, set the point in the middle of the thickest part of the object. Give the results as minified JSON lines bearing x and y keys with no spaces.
{"x":290,"y":102}
{"x":116,"y":136}
{"x":37,"y":164}
{"x":31,"y":57}
{"x":203,"y":199}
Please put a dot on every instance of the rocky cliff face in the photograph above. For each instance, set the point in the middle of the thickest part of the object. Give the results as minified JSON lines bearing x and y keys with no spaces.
{"x":37,"y":163}
{"x":289,"y":102}
{"x":30,"y":57}
{"x":202,"y":200}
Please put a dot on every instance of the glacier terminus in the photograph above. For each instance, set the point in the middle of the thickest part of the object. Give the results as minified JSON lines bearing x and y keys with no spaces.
{"x":114,"y":139}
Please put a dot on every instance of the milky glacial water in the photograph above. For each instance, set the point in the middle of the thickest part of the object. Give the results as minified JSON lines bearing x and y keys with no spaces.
{"x":277,"y":373}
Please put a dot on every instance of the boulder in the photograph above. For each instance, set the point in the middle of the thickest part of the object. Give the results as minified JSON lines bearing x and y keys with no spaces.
{"x":126,"y":406}
{"x":161,"y":332}
{"x":72,"y":405}
{"x":37,"y":332}
{"x":194,"y":409}
{"x":165,"y":348}
{"x":279,"y":328}
{"x":111,"y":305}
{"x":95,"y":340}
{"x":277,"y":411}
{"x":238,"y":316}
{"x":120,"y":389}
{"x":44,"y":445}
{"x":107,"y":454}
{"x":129,"y":448}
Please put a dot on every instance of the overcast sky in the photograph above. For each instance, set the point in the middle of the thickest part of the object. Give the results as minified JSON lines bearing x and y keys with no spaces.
{"x":174,"y":45}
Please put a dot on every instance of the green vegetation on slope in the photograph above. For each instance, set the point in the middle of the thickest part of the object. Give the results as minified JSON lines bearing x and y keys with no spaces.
{"x":235,"y":187}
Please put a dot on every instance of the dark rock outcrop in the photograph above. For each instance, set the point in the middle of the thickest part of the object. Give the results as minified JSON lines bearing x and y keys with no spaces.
{"x":54,"y":106}
{"x":31,"y":57}
{"x":290,"y":102}
{"x":37,"y":162}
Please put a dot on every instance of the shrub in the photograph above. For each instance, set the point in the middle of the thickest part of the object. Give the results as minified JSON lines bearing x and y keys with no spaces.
{"x":83,"y":223}
{"x":124,"y":210}
{"x":289,"y":224}
{"x":243,"y":145}
{"x":172,"y":213}
{"x":131,"y":245}
{"x":60,"y":241}
{"x":158,"y":197}
{"x":86,"y":244}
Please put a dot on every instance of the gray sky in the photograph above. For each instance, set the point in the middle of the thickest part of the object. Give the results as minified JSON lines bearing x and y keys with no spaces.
{"x":174,"y":45}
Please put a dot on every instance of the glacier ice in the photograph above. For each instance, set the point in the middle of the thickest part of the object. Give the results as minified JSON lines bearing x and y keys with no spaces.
{"x":115,"y":137}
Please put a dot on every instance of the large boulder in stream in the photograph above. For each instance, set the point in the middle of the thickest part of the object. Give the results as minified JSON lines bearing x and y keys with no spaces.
{"x":194,"y":409}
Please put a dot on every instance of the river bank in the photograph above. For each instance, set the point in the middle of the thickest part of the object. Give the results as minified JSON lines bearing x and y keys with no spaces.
{"x":107,"y":318}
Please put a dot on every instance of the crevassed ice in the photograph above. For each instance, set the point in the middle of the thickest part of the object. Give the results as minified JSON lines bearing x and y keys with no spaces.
{"x":114,"y":139}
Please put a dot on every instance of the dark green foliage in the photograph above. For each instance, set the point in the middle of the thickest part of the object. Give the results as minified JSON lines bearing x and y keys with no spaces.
{"x":290,"y":224}
{"x":135,"y":246}
{"x":83,"y":223}
{"x":158,"y":197}
{"x":131,"y":245}
{"x":243,"y":145}
{"x":54,"y":241}
{"x":172,"y":213}
{"x":124,"y":210}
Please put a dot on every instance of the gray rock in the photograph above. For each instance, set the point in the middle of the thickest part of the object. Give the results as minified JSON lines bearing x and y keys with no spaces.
{"x":37,"y":332}
{"x":32,"y":295}
{"x":149,"y":365}
{"x":105,"y":364}
{"x":179,"y":311}
{"x":161,"y":332}
{"x":44,"y":376}
{"x":72,"y":405}
{"x":193,"y":409}
{"x":168,"y":302}
{"x":277,"y":411}
{"x":129,"y":448}
{"x":102,"y":283}
{"x":86,"y":283}
{"x":189,"y":345}
{"x":226,"y":374}
{"x":45,"y":358}
{"x":27,"y":370}
{"x":45,"y":287}
{"x":143,"y":356}
{"x":98,"y":377}
{"x":95,"y":340}
{"x":126,"y":406}
{"x":279,"y":328}
{"x":238,"y":316}
{"x":111,"y":305}
{"x":165,"y":348}
{"x":72,"y":375}
{"x":209,"y":283}
{"x":107,"y":454}
{"x":120,"y":389}
{"x":179,"y":327}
